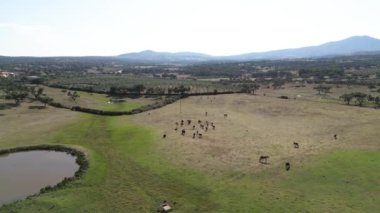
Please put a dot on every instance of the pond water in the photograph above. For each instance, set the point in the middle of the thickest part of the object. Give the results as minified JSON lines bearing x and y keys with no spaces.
{"x":25,"y":173}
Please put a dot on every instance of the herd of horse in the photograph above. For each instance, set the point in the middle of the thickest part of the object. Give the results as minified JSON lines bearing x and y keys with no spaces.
{"x":204,"y":125}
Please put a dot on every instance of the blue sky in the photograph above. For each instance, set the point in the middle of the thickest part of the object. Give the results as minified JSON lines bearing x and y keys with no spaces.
{"x":217,"y":27}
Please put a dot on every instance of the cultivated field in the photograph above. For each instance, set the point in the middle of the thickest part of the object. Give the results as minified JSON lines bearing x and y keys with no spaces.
{"x":133,"y":169}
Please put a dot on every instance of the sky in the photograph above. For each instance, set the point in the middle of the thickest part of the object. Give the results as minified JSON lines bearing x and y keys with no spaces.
{"x":216,"y":27}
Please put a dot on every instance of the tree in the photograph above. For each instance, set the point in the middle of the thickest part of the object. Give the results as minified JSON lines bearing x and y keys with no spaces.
{"x":360,"y":98}
{"x":181,"y":89}
{"x":36,"y":92}
{"x":370,"y":98}
{"x":74,"y":96}
{"x":139,"y":88}
{"x":377,"y":101}
{"x":46,"y":100}
{"x":250,"y":88}
{"x":17,"y":93}
{"x":113,"y":91}
{"x":322,"y":89}
{"x":150,"y":90}
{"x":347,"y":98}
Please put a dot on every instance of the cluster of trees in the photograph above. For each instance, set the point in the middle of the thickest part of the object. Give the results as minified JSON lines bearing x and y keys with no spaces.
{"x":359,"y":98}
{"x":141,"y":89}
{"x":17,"y":91}
{"x":14,"y":89}
{"x":250,"y":88}
{"x":116,"y":91}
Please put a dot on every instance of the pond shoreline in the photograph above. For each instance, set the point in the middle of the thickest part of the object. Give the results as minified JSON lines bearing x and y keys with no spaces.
{"x":81,"y":160}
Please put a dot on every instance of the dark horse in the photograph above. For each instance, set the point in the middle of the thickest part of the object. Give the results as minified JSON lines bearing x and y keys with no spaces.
{"x":264,"y":159}
{"x":287,"y":166}
{"x":296,"y":145}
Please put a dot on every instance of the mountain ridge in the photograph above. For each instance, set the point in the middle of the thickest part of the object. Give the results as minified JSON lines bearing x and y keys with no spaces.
{"x":349,"y":46}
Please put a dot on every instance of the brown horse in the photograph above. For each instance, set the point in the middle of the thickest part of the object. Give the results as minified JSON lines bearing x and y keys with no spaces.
{"x":296,"y":145}
{"x":264,"y":159}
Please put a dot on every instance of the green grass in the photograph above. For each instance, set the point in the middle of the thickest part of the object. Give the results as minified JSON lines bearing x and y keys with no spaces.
{"x":125,"y":106}
{"x":128,"y":174}
{"x":95,"y":100}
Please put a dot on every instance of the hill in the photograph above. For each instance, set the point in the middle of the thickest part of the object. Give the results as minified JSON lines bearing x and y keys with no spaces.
{"x":152,"y":56}
{"x":350,"y":46}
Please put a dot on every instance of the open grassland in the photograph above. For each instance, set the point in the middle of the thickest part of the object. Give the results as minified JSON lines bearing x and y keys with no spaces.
{"x":308,"y":93}
{"x":95,"y":100}
{"x":258,"y":125}
{"x":132,"y":169}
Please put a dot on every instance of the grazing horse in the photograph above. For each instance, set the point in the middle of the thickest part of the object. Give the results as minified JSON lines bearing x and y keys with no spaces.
{"x":164,"y":136}
{"x":287,"y":166}
{"x":296,"y":145}
{"x":335,"y":136}
{"x":225,"y":115}
{"x":183,"y":132}
{"x":264,"y":159}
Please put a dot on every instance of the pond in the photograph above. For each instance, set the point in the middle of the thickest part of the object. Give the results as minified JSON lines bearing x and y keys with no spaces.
{"x":25,"y":173}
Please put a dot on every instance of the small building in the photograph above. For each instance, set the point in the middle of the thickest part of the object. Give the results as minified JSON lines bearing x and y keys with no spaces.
{"x":6,"y":74}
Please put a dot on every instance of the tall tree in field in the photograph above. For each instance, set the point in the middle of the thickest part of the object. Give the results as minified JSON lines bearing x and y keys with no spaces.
{"x":322,"y":89}
{"x":347,"y":98}
{"x":377,"y":101}
{"x":360,"y":98}
{"x":74,"y":96}
{"x":46,"y":100}
{"x":36,"y":92}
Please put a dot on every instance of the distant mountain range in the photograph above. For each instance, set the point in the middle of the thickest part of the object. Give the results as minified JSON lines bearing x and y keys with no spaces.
{"x":350,"y":46}
{"x":149,"y":55}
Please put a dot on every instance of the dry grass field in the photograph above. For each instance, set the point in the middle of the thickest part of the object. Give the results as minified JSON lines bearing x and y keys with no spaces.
{"x":133,"y":169}
{"x":260,"y":125}
{"x":308,"y":92}
{"x":23,"y":126}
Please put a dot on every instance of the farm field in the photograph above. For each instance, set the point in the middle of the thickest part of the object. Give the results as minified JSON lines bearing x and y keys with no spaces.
{"x":133,"y":169}
{"x":104,"y":82}
{"x":95,"y":100}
